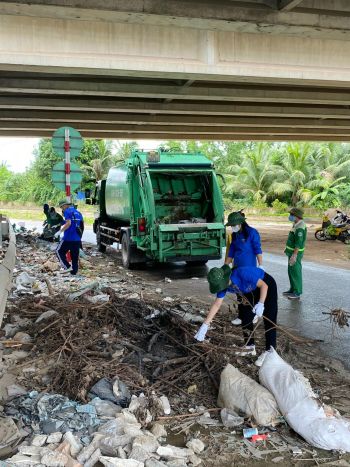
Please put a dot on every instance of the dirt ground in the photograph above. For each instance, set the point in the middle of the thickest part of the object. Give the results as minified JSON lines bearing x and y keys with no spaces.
{"x":153,"y":351}
{"x":274,"y":235}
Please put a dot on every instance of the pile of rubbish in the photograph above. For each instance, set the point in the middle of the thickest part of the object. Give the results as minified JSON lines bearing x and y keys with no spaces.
{"x":60,"y":432}
{"x":105,"y":370}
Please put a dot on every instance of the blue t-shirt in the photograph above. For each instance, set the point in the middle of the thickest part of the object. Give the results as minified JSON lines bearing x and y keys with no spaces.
{"x":71,"y":234}
{"x":244,"y":251}
{"x":243,"y":280}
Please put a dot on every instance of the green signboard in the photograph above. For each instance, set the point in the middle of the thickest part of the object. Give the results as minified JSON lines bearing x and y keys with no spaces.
{"x":59,"y":175}
{"x":75,"y":141}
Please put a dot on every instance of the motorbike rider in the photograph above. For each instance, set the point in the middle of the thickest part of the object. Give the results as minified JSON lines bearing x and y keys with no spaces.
{"x":294,"y":250}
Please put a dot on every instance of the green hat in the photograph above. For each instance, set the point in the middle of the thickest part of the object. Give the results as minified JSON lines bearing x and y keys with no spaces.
{"x":219,"y":278}
{"x":64,"y":203}
{"x":297,"y":212}
{"x":235,"y":218}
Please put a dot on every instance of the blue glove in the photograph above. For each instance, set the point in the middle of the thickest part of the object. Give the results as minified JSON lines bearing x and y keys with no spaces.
{"x":200,"y":335}
{"x":259,"y":309}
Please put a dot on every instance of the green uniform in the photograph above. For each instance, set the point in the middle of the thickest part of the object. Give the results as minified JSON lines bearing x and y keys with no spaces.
{"x":296,"y":239}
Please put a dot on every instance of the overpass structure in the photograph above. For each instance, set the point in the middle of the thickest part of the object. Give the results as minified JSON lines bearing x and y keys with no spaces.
{"x":172,"y":69}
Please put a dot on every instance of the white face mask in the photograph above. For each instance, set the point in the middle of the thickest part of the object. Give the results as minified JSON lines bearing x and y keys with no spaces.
{"x":236,"y":228}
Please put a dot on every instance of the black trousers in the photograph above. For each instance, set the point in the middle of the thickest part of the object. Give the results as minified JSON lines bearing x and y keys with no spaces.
{"x":271,"y":309}
{"x":61,"y":251}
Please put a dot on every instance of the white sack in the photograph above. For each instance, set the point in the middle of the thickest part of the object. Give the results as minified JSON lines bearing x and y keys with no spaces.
{"x":239,"y":392}
{"x":300,"y":408}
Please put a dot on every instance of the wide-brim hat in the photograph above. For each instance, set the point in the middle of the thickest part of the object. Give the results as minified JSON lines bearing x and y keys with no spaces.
{"x":297,"y":212}
{"x":64,"y":203}
{"x":219,"y":278}
{"x":235,"y":218}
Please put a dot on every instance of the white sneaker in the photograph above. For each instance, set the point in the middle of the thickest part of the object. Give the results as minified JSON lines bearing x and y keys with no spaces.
{"x":236,"y":322}
{"x":261,"y":358}
{"x":66,"y":271}
{"x":246,"y":350}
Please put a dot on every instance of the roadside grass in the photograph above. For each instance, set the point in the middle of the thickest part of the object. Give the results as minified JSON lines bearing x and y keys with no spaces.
{"x":32,"y":212}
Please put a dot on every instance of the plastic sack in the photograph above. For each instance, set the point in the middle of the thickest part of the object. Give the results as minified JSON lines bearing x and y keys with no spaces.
{"x":239,"y":392}
{"x":300,"y":408}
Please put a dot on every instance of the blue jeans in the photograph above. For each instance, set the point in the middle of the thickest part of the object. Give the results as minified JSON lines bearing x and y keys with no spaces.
{"x":62,"y":249}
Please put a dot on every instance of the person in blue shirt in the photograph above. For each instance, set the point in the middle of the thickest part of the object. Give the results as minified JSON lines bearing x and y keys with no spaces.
{"x":71,"y":241}
{"x":259,"y":289}
{"x":243,"y":249}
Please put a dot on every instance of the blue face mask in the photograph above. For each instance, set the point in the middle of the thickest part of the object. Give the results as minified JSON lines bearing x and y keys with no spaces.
{"x":291,"y":218}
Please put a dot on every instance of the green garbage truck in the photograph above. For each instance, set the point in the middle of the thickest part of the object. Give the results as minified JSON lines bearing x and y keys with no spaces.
{"x":162,"y":206}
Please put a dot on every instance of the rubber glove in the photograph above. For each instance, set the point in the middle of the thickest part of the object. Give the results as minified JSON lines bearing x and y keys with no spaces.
{"x":292,"y":260}
{"x":200,"y":335}
{"x":259,"y":309}
{"x":57,"y":234}
{"x":261,"y":267}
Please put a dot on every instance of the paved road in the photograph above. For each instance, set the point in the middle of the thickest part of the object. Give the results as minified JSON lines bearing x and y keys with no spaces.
{"x":325,"y":288}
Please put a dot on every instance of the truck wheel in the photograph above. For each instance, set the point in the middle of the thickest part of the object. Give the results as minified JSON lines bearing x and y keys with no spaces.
{"x":197,"y":263}
{"x":126,"y":252}
{"x":101,"y":248}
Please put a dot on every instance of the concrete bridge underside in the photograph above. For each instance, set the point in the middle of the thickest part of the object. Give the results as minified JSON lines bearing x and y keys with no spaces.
{"x":176,"y":69}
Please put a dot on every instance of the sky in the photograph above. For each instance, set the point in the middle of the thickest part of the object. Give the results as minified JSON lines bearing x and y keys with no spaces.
{"x":18,"y":152}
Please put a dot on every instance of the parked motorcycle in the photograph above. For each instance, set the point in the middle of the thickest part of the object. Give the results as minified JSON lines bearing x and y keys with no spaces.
{"x":332,"y":230}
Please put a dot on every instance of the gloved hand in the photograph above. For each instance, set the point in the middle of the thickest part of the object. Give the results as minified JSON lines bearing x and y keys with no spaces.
{"x":259,"y":309}
{"x":200,"y":335}
{"x":261,"y":267}
{"x":57,"y":234}
{"x":292,"y":260}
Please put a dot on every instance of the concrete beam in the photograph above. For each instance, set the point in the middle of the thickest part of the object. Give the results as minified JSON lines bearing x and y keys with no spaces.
{"x":170,"y":92}
{"x":288,"y":5}
{"x":221,"y":15}
{"x":189,"y":108}
{"x":115,"y":129}
{"x":60,"y":117}
{"x":165,"y":136}
{"x":120,"y":49}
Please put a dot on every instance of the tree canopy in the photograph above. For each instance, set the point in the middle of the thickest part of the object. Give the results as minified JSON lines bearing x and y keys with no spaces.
{"x":260,"y":173}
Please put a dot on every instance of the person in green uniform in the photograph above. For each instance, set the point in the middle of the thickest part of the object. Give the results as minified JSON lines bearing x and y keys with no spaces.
{"x":294,"y":250}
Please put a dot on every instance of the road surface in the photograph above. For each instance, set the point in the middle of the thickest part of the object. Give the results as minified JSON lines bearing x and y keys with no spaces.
{"x":325,"y":288}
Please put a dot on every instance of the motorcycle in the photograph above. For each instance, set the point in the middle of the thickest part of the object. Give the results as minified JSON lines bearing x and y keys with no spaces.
{"x":332,"y":230}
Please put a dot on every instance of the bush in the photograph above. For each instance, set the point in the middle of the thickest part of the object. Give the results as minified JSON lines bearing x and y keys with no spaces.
{"x":279,"y":207}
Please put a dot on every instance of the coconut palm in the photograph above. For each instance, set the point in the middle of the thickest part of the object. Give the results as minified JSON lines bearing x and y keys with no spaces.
{"x":102,"y":153}
{"x":253,"y":175}
{"x":294,"y":171}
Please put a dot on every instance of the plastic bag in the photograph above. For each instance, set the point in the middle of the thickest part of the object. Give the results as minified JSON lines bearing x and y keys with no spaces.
{"x":239,"y":392}
{"x":301,"y":409}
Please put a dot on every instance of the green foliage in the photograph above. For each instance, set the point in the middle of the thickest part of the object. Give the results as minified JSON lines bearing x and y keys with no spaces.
{"x":256,"y":174}
{"x":279,"y":207}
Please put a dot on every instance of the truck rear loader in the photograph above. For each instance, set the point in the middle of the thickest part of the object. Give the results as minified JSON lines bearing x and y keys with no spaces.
{"x":161,"y":206}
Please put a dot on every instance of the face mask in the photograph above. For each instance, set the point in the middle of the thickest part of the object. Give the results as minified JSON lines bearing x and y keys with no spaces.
{"x":291,"y":218}
{"x":236,"y":228}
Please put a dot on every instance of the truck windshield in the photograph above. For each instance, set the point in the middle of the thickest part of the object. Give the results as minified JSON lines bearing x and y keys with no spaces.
{"x":183,"y":197}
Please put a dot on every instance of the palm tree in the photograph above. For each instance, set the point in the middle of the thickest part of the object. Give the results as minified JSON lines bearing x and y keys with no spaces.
{"x":98,"y":167}
{"x":324,"y":192}
{"x":333,"y":160}
{"x":253,"y":175}
{"x":295,"y":169}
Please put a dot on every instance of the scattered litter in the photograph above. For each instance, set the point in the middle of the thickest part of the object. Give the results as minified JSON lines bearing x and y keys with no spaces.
{"x":249,"y":432}
{"x":230,"y":418}
{"x":166,"y":279}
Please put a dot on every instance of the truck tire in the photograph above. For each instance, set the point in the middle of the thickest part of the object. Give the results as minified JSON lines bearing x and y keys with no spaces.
{"x":127,"y":251}
{"x":201,"y":262}
{"x":101,"y":248}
